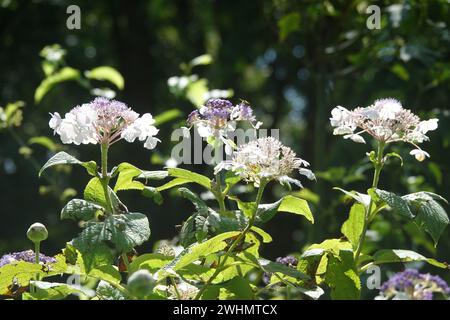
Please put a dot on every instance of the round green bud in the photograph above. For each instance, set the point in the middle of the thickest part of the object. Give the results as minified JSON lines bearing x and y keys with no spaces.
{"x":141,"y":283}
{"x":37,"y":232}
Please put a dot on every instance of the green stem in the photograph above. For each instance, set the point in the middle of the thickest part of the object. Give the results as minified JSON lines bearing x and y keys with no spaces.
{"x":105,"y":177}
{"x":219,"y":194}
{"x":37,"y":250}
{"x":378,"y":165}
{"x":235,"y":242}
{"x":125,"y":261}
{"x":175,"y":288}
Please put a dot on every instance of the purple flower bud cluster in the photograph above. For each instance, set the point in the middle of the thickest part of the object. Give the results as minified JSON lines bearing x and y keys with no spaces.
{"x":289,"y":261}
{"x":27,"y":256}
{"x":220,"y":111}
{"x":414,"y":285}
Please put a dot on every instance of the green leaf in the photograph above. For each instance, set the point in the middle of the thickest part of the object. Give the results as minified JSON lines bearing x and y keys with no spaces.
{"x":333,"y":246}
{"x":173,"y":183}
{"x":128,"y":230}
{"x":107,"y":273}
{"x":153,"y":175}
{"x":65,"y":158}
{"x":433,"y":219}
{"x":204,"y":59}
{"x":78,"y":209}
{"x":237,"y":288}
{"x":362,"y":198}
{"x":45,"y":142}
{"x":106,"y":291}
{"x":288,"y":24}
{"x":354,"y":226}
{"x":342,"y":278}
{"x":430,"y":215}
{"x":394,"y":256}
{"x":119,"y":232}
{"x":154,"y":194}
{"x":64,"y":74}
{"x":55,"y":291}
{"x":94,"y":193}
{"x":231,"y":178}
{"x":106,"y":73}
{"x":275,"y":267}
{"x":200,"y":205}
{"x":296,"y":205}
{"x":125,"y":180}
{"x":397,"y":203}
{"x":198,"y":250}
{"x":167,"y":116}
{"x":191,"y":176}
{"x":19,"y":273}
{"x":264,"y":235}
{"x":150,"y":261}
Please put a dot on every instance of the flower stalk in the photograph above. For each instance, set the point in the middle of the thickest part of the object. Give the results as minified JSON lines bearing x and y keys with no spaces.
{"x":237,"y":241}
{"x":378,"y":166}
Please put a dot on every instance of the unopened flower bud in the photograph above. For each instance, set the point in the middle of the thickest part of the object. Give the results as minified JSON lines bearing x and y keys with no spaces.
{"x":37,"y":232}
{"x":141,"y":283}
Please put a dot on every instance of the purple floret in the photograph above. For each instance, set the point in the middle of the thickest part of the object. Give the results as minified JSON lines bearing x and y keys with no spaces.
{"x":415,"y":285}
{"x":27,"y":256}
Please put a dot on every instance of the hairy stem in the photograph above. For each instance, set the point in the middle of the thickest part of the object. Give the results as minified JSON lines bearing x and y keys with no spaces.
{"x":378,"y":165}
{"x":236,"y":242}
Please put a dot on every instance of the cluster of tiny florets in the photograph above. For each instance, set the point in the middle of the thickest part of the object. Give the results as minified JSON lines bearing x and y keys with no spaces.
{"x":27,"y":256}
{"x":412,"y":285}
{"x":104,"y":121}
{"x":266,"y":158}
{"x":385,"y":120}
{"x":218,"y":117}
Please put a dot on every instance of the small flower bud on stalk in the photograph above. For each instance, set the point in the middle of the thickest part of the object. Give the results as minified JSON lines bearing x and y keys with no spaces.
{"x":141,"y":283}
{"x":37,"y":232}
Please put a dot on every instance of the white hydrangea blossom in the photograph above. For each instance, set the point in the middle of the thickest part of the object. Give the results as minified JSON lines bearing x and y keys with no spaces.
{"x":266,"y":158}
{"x":385,"y":120}
{"x":104,"y":121}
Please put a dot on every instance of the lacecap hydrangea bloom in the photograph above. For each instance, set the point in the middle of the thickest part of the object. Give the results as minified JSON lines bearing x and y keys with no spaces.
{"x":412,"y":285}
{"x":218,"y":117}
{"x":266,"y":158}
{"x":104,"y":121}
{"x":27,"y":256}
{"x":386,"y":121}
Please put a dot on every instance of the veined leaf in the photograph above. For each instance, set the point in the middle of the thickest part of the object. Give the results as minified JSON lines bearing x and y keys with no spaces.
{"x":196,"y":251}
{"x":342,"y":278}
{"x":78,"y":209}
{"x":192,"y":176}
{"x":430,"y":215}
{"x":397,"y":255}
{"x":267,"y":238}
{"x":65,"y":158}
{"x":353,"y":227}
{"x":397,"y":203}
{"x":296,"y":205}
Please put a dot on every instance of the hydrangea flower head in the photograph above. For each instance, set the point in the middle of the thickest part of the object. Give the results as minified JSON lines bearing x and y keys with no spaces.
{"x":27,"y":256}
{"x":412,"y":285}
{"x":266,"y":158}
{"x":385,"y":120}
{"x":218,"y":117}
{"x":104,"y":121}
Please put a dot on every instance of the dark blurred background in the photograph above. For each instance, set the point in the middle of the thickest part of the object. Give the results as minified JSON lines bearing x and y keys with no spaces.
{"x":292,"y":60}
